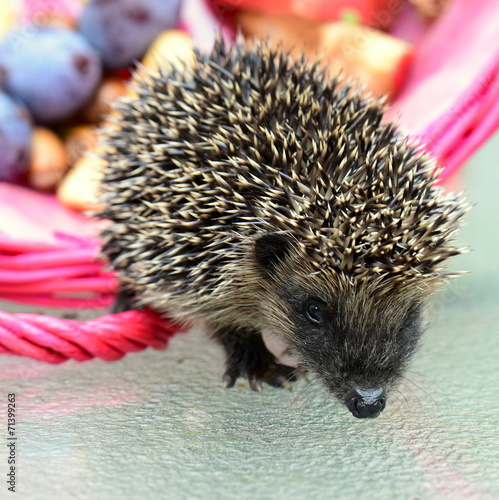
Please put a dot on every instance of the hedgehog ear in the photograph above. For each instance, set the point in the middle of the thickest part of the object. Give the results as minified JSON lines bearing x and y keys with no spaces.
{"x":270,"y":249}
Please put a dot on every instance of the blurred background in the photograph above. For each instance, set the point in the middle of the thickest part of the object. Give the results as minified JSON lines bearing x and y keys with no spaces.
{"x":63,"y":61}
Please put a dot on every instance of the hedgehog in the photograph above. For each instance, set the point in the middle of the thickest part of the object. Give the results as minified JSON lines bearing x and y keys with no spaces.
{"x":250,"y":192}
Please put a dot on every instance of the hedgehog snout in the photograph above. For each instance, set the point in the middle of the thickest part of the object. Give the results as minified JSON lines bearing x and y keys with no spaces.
{"x":366,"y":403}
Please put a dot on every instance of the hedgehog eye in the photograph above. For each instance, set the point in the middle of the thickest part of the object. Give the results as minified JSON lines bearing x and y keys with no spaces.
{"x":314,"y":311}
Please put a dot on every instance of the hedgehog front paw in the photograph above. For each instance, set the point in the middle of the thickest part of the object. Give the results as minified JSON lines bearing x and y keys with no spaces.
{"x":248,"y":357}
{"x":271,"y":372}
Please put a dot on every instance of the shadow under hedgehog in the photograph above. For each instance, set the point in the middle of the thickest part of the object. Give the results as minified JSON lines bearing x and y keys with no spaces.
{"x":250,"y":191}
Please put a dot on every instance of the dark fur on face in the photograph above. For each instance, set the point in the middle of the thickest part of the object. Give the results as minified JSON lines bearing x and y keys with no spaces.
{"x":352,"y":334}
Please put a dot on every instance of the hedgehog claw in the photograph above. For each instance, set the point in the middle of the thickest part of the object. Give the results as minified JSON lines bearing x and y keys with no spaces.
{"x":285,"y":375}
{"x":228,"y":381}
{"x":272,"y":373}
{"x":255,"y":384}
{"x":248,"y":357}
{"x":285,"y":383}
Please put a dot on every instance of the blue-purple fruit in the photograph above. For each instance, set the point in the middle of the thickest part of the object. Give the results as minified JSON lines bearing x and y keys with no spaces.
{"x":15,"y":138}
{"x":122,"y":30}
{"x":53,"y":71}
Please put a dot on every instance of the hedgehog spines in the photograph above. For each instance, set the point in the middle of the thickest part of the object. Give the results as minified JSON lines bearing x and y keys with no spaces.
{"x":247,"y":142}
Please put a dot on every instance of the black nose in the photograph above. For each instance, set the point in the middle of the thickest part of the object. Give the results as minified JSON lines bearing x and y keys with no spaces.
{"x":366,"y":403}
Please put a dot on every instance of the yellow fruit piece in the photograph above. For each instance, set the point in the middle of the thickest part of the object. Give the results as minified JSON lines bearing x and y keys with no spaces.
{"x":7,"y":17}
{"x":171,"y":47}
{"x":48,"y":159}
{"x":80,"y":188}
{"x":376,"y":59}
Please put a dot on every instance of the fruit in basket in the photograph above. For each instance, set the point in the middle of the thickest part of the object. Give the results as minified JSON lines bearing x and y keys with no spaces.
{"x":55,"y":20}
{"x":79,"y":188}
{"x":377,"y":13}
{"x":48,"y":159}
{"x":378,"y":60}
{"x":78,"y":141}
{"x":172,"y":46}
{"x":123,"y":30}
{"x":108,"y":91}
{"x":54,"y":71}
{"x":15,"y":137}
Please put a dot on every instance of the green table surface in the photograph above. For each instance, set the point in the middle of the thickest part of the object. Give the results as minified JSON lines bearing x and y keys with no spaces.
{"x":158,"y":425}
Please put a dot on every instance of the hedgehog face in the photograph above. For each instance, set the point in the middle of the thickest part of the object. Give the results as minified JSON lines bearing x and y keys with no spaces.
{"x":359,"y":359}
{"x":356,"y":336}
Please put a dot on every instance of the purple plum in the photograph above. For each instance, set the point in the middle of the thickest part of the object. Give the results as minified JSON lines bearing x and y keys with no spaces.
{"x":53,"y":71}
{"x":122,"y":30}
{"x":15,"y":138}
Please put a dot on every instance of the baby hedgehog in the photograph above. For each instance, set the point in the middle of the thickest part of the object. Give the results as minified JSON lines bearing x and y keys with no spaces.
{"x":252,"y":192}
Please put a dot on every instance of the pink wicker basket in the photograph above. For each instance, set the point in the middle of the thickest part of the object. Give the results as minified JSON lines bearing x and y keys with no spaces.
{"x":49,"y":256}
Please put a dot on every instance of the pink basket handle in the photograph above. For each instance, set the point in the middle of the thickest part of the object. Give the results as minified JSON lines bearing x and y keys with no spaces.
{"x":110,"y":337}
